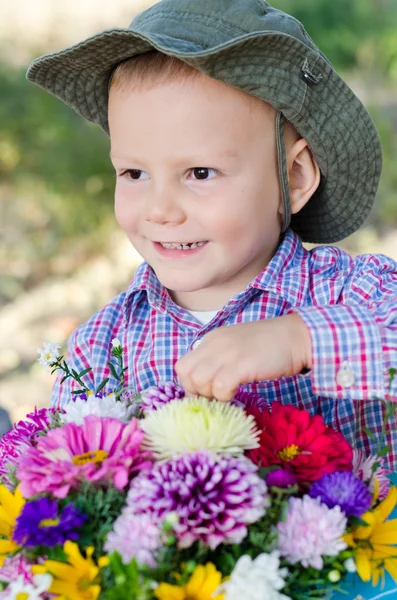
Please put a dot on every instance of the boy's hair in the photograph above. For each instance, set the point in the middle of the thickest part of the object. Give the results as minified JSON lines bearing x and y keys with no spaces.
{"x":150,"y":67}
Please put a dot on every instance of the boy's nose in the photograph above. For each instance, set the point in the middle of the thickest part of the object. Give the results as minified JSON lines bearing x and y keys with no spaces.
{"x":163,"y":206}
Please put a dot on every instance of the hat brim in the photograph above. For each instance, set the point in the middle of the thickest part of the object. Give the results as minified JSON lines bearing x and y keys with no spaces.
{"x":338,"y":128}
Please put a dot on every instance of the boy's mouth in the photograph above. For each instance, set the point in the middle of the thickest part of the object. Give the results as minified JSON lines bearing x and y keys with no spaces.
{"x":182,"y":245}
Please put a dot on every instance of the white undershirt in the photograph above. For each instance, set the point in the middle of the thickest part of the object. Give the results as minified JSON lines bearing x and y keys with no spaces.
{"x":204,"y":316}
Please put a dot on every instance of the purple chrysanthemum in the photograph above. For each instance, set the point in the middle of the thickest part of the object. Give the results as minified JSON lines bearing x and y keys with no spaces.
{"x":342,"y":488}
{"x":281,"y":478}
{"x":250,"y":400}
{"x":22,"y":437}
{"x":157,"y":395}
{"x":214,"y":498}
{"x":41,"y":522}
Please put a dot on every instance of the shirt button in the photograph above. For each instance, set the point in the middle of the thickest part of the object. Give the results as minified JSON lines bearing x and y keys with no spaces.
{"x":345,"y":376}
{"x":196,"y":344}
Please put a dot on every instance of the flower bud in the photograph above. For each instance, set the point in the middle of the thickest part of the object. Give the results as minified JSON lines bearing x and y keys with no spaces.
{"x":350,"y":565}
{"x":334,"y":576}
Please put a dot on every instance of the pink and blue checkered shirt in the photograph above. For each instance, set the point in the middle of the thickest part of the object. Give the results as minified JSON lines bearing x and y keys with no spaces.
{"x":349,"y":306}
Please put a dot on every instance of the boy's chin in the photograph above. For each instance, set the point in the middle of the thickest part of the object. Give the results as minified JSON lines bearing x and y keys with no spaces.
{"x":179,"y":284}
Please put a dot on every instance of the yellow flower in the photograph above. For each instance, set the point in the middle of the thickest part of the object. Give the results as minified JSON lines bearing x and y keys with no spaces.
{"x":76,"y":579}
{"x":375,"y":545}
{"x":201,"y":586}
{"x":10,"y":508}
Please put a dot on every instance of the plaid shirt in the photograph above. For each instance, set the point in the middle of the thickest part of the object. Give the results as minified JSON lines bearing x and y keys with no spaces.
{"x":349,"y":306}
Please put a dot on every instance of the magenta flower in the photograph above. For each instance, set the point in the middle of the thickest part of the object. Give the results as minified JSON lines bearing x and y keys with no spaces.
{"x":23,"y":436}
{"x":248,"y":400}
{"x":156,"y":396}
{"x":214,"y":498}
{"x":281,"y":478}
{"x":102,"y":450}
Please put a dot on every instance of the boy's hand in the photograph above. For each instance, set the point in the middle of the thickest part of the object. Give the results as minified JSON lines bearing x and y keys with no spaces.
{"x":231,"y":356}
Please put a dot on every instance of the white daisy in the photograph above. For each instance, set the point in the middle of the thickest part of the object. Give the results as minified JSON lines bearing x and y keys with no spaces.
{"x":29,"y":591}
{"x":49,"y":354}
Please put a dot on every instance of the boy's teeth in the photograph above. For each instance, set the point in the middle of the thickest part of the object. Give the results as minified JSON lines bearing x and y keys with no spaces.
{"x":183,"y":246}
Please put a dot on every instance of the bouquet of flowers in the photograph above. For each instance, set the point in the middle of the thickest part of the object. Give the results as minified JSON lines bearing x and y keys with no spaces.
{"x":156,"y":495}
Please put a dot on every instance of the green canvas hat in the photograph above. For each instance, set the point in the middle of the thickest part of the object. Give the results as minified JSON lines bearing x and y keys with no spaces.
{"x":252,"y":46}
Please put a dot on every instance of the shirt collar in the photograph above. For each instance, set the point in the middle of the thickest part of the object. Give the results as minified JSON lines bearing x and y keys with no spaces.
{"x":286,"y":275}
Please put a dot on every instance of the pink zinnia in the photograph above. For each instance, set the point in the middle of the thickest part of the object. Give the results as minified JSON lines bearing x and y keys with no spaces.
{"x":102,"y":450}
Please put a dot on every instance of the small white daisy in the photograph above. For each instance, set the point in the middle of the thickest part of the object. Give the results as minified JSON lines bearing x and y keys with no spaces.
{"x":49,"y":354}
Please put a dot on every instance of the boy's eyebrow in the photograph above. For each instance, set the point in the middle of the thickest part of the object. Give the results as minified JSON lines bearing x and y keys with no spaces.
{"x":226,"y":154}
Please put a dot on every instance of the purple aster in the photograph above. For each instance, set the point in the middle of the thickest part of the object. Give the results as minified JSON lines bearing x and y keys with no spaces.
{"x":250,"y":400}
{"x":214,"y":498}
{"x":156,"y":396}
{"x":41,"y":523}
{"x":22,"y":437}
{"x":281,"y":478}
{"x":342,"y":488}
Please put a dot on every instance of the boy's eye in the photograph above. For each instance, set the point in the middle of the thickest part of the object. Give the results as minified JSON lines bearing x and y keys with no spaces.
{"x":133,"y":173}
{"x":202,"y":172}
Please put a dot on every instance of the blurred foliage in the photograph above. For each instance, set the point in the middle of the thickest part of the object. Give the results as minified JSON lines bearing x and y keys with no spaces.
{"x":351,"y":33}
{"x":56,"y":179}
{"x":56,"y":185}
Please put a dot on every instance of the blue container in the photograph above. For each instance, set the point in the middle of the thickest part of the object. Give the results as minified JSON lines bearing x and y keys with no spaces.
{"x":358,"y":590}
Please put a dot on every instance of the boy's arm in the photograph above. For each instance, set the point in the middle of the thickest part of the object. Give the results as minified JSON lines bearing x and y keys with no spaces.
{"x":354,"y":343}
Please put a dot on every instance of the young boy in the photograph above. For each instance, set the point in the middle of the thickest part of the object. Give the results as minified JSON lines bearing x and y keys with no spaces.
{"x":233,"y":139}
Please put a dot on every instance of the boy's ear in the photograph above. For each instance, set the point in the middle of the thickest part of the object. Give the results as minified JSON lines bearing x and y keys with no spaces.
{"x":303,"y":174}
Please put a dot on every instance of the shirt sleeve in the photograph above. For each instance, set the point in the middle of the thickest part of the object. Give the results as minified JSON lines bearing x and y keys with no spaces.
{"x":354,"y":342}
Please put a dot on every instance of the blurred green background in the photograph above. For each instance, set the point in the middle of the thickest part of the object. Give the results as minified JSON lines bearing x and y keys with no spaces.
{"x":56,"y":181}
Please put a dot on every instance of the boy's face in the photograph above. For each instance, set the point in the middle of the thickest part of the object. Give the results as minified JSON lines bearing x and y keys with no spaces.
{"x":196,"y":161}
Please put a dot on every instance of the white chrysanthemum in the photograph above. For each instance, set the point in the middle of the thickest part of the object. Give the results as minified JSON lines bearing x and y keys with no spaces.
{"x":49,"y":354}
{"x":199,"y":424}
{"x":256,"y":579}
{"x":116,"y":343}
{"x":108,"y":406}
{"x":29,"y":591}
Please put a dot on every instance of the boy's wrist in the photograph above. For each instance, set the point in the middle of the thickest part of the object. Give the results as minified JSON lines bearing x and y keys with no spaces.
{"x":300,"y":342}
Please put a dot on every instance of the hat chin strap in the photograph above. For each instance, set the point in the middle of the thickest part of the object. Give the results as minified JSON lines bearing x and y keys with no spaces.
{"x":282,"y":170}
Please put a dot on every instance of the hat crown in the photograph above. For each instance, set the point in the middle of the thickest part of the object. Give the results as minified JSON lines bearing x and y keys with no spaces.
{"x":209,"y":23}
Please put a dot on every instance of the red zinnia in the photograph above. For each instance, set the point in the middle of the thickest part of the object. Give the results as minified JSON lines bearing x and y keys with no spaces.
{"x":304,"y":445}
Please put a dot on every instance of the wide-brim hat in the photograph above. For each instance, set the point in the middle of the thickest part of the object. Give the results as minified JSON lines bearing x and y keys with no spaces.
{"x":252,"y":46}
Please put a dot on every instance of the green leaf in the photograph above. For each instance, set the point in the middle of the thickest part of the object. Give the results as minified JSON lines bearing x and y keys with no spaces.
{"x":113,"y":370}
{"x":357,"y":522}
{"x":101,"y":385}
{"x":384,"y":451}
{"x":85,"y":372}
{"x":369,"y":433}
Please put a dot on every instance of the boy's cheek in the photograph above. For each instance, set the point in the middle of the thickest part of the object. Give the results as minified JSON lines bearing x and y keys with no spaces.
{"x":125,"y":210}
